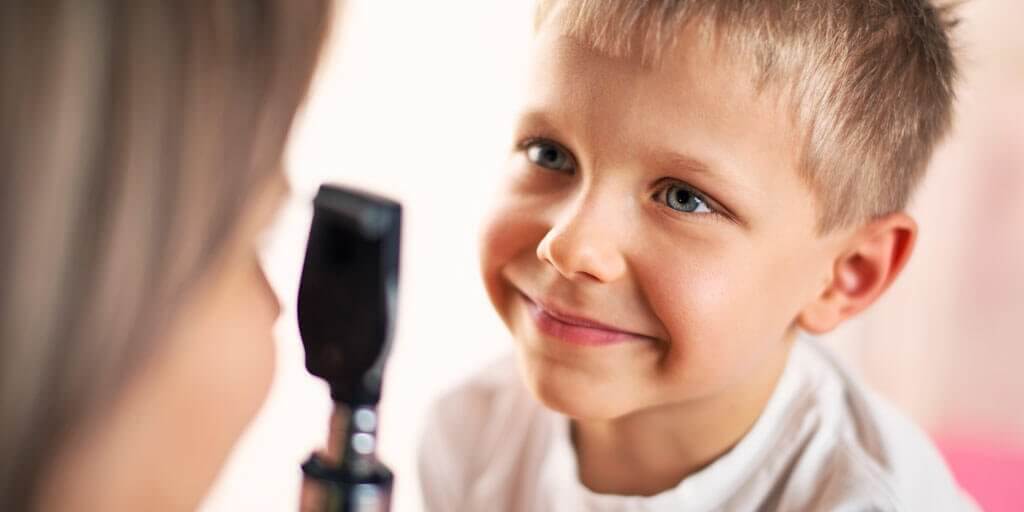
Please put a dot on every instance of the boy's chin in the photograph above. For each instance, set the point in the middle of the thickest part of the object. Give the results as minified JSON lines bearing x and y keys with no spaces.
{"x":577,"y":395}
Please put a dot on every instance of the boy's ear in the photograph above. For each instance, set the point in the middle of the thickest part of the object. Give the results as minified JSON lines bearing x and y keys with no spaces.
{"x":874,"y":256}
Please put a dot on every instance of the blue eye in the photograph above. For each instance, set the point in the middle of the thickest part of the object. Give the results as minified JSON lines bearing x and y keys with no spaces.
{"x":549,"y":155}
{"x":685,"y":200}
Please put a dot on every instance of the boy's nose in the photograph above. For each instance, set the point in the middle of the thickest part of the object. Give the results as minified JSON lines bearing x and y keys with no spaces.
{"x":582,"y":246}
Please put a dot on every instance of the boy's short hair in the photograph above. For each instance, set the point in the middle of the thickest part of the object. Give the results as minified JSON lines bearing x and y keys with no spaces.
{"x":871,"y":82}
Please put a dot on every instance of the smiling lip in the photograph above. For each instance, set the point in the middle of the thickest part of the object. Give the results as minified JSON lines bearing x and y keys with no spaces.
{"x":575,"y":330}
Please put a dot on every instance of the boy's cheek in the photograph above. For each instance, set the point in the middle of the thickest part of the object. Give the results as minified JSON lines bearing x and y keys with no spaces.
{"x":719,"y":318}
{"x":515,"y":226}
{"x":506,"y":236}
{"x":497,"y":247}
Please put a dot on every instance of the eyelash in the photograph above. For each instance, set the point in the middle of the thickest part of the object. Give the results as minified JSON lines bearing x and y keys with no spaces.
{"x":716,"y":210}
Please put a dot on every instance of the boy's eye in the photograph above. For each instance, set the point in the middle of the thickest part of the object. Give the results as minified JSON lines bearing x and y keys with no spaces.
{"x":549,"y":155}
{"x":684,"y":199}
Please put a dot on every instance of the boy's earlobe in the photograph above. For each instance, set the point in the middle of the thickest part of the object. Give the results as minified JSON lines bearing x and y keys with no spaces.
{"x":874,"y":258}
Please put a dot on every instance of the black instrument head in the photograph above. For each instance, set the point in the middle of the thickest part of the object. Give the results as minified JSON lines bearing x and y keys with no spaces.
{"x":348,"y":292}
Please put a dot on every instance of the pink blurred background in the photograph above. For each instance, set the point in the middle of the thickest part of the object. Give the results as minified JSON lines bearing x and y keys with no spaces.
{"x":415,"y":101}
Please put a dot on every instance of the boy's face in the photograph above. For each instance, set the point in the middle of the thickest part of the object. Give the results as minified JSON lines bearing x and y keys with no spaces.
{"x":662,"y":203}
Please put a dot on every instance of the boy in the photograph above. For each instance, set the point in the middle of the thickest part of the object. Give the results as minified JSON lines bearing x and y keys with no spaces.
{"x":693,"y":183}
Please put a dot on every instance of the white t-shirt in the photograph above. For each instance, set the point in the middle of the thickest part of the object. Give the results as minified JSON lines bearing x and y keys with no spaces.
{"x":823,"y":442}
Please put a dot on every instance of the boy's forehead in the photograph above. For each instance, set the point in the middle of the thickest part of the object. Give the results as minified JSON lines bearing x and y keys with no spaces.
{"x":693,"y":78}
{"x":692,"y":53}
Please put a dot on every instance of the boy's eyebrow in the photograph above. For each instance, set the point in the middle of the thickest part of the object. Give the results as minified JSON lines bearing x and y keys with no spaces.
{"x":672,"y":159}
{"x":663,"y":157}
{"x":537,"y":117}
{"x":676,"y":160}
{"x":541,"y":118}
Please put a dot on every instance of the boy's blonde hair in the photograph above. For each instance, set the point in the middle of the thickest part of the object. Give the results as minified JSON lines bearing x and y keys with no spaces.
{"x":871,"y":81}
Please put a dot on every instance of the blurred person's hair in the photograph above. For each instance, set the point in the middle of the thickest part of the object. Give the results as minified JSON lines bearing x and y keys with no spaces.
{"x":871,"y":83}
{"x":132,"y":135}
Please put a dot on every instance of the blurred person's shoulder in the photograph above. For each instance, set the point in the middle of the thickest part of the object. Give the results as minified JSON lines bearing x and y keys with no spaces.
{"x":859,"y":451}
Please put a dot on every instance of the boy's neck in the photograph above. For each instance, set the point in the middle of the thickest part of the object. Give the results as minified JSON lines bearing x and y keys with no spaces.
{"x":651,"y":451}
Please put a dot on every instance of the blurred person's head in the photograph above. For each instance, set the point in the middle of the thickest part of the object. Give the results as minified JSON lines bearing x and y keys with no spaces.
{"x":141,"y":150}
{"x":694,"y":182}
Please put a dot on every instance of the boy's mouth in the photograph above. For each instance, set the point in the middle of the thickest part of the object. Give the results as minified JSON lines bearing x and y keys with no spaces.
{"x":578,"y":330}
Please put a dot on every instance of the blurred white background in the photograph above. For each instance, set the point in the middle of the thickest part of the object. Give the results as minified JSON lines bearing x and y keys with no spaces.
{"x":415,"y":100}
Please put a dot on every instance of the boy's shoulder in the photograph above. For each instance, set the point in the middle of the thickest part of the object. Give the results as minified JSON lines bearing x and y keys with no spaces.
{"x":861,"y":447}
